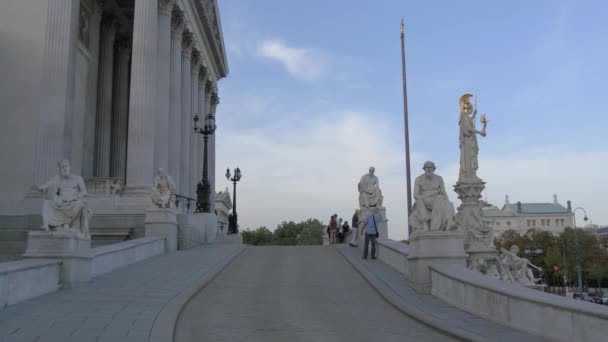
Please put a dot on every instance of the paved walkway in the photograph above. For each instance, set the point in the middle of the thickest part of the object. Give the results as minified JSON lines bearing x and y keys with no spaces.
{"x":393,"y":287}
{"x":119,"y":306}
{"x":295,"y":294}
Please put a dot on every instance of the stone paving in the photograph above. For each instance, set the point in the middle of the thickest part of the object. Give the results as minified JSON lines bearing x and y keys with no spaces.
{"x":119,"y":306}
{"x":394,"y":287}
{"x":303,"y":293}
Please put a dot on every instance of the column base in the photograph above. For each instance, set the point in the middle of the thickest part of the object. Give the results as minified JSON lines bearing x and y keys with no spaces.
{"x":162,"y":222}
{"x":426,"y":248}
{"x":73,"y":249}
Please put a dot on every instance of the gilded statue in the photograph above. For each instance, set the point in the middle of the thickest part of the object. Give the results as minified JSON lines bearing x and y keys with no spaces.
{"x":468,"y":139}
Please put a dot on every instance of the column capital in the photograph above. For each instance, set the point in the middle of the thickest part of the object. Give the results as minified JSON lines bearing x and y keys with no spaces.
{"x":98,"y":7}
{"x":187,"y":41}
{"x":215,"y":99}
{"x":165,"y":7}
{"x":202,"y":75}
{"x":177,"y":22}
{"x":208,"y":86}
{"x":195,"y":61}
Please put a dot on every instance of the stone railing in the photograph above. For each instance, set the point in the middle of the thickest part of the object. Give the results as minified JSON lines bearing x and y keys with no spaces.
{"x":118,"y":255}
{"x":104,"y":186}
{"x":553,"y":317}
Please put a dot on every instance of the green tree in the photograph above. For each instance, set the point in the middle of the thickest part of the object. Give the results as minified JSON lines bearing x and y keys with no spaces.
{"x":259,"y":237}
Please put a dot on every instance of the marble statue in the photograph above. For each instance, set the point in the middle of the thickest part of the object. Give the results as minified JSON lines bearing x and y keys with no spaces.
{"x":64,"y":207}
{"x":515,"y":269}
{"x":163,"y":189}
{"x":370,"y":194}
{"x":432,"y":208}
{"x":468,"y":139}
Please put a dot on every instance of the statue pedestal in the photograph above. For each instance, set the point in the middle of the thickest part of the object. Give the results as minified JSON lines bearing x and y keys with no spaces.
{"x":426,"y":248}
{"x":72,"y":248}
{"x":162,"y":222}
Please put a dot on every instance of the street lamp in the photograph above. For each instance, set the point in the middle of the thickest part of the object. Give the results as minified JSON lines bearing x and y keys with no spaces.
{"x":577,"y":250}
{"x":203,"y":188}
{"x":233,"y":227}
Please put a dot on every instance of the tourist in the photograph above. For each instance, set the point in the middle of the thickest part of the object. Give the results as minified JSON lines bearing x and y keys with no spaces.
{"x":345,"y":229}
{"x":371,"y":231}
{"x":354,"y":242}
{"x":333,"y":229}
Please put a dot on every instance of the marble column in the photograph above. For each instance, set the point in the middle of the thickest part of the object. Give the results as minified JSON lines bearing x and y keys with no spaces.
{"x":195,"y":139}
{"x":215,"y":100}
{"x":161,"y":139}
{"x":120,"y":108}
{"x":54,"y":135}
{"x":202,"y":80}
{"x":175,"y":112}
{"x":103,"y":119}
{"x":186,"y":115}
{"x":91,"y":106}
{"x":142,"y":99}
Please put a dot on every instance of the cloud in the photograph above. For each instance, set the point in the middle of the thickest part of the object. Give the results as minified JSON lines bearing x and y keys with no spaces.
{"x":305,"y":64}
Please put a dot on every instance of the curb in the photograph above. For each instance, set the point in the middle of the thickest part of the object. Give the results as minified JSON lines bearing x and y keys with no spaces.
{"x":164,"y":324}
{"x":395,"y":300}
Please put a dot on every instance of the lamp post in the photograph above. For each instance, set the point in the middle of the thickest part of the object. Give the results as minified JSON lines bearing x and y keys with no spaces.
{"x":233,"y":227}
{"x":577,"y":250}
{"x":203,"y":188}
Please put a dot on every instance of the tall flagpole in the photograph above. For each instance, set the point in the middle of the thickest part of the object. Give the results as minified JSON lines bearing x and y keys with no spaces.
{"x":407,"y":131}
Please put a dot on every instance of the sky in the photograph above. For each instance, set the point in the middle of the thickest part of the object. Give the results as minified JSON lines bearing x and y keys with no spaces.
{"x":314,"y":98}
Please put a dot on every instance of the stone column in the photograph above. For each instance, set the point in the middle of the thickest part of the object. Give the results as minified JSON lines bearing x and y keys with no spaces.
{"x":215,"y":100}
{"x":54,"y":136}
{"x":103,"y":119}
{"x":186,"y":115}
{"x":202,"y":80}
{"x":89,"y":120}
{"x":175,"y":113}
{"x":195,"y":139}
{"x":161,"y":139}
{"x":120,"y":108}
{"x":142,"y":99}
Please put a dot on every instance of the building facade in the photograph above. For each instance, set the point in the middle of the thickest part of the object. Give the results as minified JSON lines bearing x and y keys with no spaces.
{"x":113,"y":86}
{"x":521,"y":217}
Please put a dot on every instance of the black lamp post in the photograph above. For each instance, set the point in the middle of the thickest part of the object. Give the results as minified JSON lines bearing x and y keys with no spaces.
{"x":203,"y":188}
{"x":233,"y":227}
{"x":577,"y":250}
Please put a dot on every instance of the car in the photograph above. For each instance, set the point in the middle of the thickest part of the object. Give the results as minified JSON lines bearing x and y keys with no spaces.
{"x":597,"y":300}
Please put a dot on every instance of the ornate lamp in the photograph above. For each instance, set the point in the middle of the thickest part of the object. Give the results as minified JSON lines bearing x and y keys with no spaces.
{"x":203,"y":188}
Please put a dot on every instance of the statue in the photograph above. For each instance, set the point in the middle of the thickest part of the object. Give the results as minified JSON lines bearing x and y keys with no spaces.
{"x":370,"y":194}
{"x":515,"y":269}
{"x":432,"y":208}
{"x":64,"y":207}
{"x":468,"y":139}
{"x":163,"y":189}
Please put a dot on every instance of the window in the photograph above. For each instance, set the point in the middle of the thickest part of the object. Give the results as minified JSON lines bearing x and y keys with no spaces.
{"x":557,"y":222}
{"x":561,"y":221}
{"x":542,"y":222}
{"x":528,"y":222}
{"x":498,"y":223}
{"x":509,"y":223}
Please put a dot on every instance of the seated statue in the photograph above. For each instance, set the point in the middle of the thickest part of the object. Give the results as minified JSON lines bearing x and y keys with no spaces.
{"x":432,"y":209}
{"x":163,"y":189}
{"x":370,"y":194}
{"x":514,"y":268}
{"x":64,"y":207}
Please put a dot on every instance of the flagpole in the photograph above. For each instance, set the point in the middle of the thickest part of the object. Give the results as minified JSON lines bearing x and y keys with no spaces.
{"x":407,"y":131}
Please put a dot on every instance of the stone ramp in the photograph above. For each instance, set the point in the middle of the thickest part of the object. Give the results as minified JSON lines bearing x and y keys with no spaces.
{"x":392,"y":285}
{"x":123,"y":305}
{"x":299,"y":293}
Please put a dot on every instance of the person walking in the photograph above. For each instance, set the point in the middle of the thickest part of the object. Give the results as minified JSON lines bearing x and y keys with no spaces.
{"x":333,"y":229}
{"x":371,"y":232}
{"x":354,"y":241}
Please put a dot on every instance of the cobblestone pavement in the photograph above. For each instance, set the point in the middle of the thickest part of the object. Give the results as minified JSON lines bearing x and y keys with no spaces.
{"x":119,"y":306}
{"x":307,"y":293}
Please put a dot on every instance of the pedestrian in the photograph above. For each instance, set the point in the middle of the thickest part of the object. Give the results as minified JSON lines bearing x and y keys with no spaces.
{"x":333,"y":229}
{"x":354,"y":241}
{"x":345,"y":229}
{"x":371,"y":231}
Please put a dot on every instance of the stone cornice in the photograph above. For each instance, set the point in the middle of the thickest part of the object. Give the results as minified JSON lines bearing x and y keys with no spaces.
{"x":207,"y":12}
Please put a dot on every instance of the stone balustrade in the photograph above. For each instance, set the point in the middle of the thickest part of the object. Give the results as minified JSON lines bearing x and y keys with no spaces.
{"x":118,"y":255}
{"x":104,"y":186}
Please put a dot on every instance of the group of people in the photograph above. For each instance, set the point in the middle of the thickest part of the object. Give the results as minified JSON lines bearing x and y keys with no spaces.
{"x":336,"y":230}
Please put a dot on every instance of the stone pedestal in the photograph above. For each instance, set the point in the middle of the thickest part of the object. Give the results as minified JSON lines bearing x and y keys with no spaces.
{"x":73,"y":249}
{"x":426,"y":248}
{"x":162,"y":222}
{"x":207,"y":222}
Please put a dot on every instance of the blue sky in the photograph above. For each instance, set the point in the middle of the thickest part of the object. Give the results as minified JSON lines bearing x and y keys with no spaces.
{"x":314,"y":98}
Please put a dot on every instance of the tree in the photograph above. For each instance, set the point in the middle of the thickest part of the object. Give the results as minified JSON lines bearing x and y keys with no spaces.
{"x":309,"y":232}
{"x":259,"y":237}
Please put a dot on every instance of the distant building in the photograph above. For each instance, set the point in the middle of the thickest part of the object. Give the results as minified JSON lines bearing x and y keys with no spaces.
{"x":223,"y":204}
{"x":602,"y":232}
{"x":521,"y":217}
